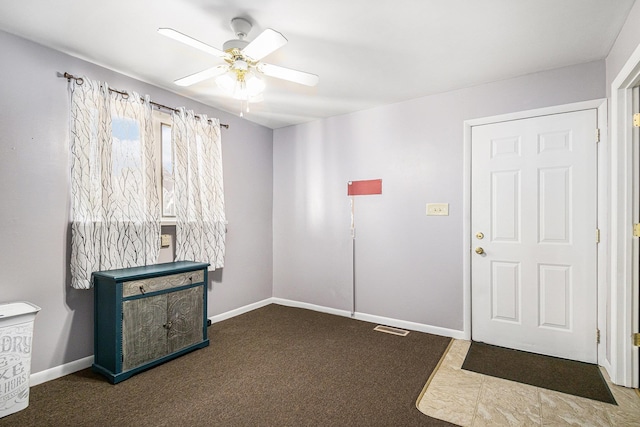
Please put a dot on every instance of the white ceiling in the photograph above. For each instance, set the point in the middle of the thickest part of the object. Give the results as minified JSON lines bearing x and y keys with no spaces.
{"x":366,"y":52}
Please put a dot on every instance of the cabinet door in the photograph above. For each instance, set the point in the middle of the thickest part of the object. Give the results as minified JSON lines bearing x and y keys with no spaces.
{"x":185,"y":312}
{"x":144,"y":335}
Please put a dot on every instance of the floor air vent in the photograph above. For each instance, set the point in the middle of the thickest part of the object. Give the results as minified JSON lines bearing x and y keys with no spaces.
{"x":392,"y":331}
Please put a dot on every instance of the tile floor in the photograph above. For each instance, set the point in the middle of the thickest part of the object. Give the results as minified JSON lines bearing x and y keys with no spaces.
{"x":471,"y":399}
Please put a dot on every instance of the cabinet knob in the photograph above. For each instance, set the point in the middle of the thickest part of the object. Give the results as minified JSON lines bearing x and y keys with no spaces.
{"x":167,"y":325}
{"x":142,"y":291}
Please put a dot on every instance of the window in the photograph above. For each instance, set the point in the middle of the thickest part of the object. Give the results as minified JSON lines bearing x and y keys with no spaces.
{"x":168,"y":203}
{"x":166,"y":181}
{"x":126,"y":165}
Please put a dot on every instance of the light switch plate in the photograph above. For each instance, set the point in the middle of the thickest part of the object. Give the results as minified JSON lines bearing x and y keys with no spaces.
{"x":441,"y":209}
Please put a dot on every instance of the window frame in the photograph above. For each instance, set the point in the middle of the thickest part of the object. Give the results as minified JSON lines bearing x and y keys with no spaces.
{"x":159,"y":119}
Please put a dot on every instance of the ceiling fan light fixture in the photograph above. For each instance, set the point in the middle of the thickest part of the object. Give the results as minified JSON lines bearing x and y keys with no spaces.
{"x":255,"y":85}
{"x":245,"y":86}
{"x":226,"y":82}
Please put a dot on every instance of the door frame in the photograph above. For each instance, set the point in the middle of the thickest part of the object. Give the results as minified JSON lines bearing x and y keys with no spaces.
{"x":601,"y":106}
{"x":625,"y":272}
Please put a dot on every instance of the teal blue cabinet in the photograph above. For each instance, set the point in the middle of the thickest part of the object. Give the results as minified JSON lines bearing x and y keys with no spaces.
{"x":144,"y":316}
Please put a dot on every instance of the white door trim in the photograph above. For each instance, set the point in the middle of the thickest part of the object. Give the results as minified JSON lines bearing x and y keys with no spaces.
{"x":601,"y":106}
{"x":624,"y":248}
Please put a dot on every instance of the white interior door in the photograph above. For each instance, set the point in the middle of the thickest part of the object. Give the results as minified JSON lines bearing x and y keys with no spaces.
{"x":533,"y":213}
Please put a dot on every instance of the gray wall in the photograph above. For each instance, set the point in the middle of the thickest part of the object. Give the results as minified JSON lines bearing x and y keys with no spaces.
{"x":34,"y":199}
{"x":408,"y":265}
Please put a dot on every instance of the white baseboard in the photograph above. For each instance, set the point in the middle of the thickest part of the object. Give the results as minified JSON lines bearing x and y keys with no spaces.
{"x":413,"y":326}
{"x":313,"y":307}
{"x":238,"y":311}
{"x":77,"y":365}
{"x":60,"y":371}
{"x":387,"y":321}
{"x":606,"y":365}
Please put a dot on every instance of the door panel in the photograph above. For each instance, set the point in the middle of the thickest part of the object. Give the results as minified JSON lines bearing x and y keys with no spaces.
{"x":143,"y":337}
{"x":505,"y":291}
{"x":555,"y":200}
{"x":555,"y":296}
{"x":505,"y":222}
{"x":534,"y":199}
{"x":185,"y":311}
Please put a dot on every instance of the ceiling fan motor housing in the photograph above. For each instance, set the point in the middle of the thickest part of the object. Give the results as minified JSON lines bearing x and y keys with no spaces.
{"x":234,"y":44}
{"x":240,"y":27}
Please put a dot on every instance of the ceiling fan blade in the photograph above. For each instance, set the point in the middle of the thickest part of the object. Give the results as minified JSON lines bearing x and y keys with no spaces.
{"x":268,"y":41}
{"x":295,"y":76}
{"x":190,"y":41}
{"x":202,"y":75}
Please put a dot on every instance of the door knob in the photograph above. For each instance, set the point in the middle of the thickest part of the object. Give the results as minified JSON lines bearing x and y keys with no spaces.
{"x":480,"y":235}
{"x":479,"y":250}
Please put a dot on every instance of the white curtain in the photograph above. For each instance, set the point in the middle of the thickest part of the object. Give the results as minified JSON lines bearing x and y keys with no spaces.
{"x":199,"y":194}
{"x":115,"y":205}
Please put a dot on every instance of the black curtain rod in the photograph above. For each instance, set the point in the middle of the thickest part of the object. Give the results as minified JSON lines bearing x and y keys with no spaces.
{"x":80,"y":81}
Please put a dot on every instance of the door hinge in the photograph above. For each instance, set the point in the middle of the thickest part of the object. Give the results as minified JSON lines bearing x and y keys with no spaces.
{"x":636,"y":339}
{"x":597,"y":235}
{"x":636,"y":230}
{"x":597,"y":336}
{"x":636,"y":120}
{"x":597,"y":135}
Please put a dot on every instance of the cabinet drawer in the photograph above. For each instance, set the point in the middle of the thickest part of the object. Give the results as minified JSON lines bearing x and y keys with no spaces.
{"x":153,"y":284}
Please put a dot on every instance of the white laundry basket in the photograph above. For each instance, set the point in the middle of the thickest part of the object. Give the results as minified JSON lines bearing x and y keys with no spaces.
{"x":16,"y":332}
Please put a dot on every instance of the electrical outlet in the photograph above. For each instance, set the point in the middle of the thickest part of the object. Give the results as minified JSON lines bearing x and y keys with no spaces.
{"x":441,"y":209}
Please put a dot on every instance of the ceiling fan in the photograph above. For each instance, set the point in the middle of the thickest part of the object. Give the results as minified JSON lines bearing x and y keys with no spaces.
{"x":240,"y":75}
